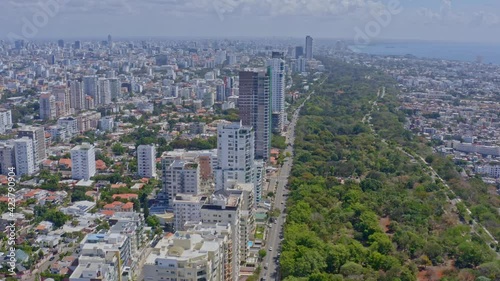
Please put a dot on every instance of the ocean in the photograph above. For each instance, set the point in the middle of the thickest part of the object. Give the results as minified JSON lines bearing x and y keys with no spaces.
{"x":490,"y":53}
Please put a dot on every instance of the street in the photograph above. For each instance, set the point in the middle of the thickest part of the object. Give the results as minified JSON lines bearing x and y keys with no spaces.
{"x":281,"y":179}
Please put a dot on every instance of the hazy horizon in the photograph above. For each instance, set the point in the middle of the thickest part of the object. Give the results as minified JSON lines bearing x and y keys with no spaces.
{"x":427,"y":20}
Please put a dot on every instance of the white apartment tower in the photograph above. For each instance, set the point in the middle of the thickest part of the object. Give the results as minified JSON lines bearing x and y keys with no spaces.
{"x":25,"y":164}
{"x":187,"y":208}
{"x":5,"y":120}
{"x":83,"y":162}
{"x":180,"y":176}
{"x":37,"y":136}
{"x":146,"y":161}
{"x":104,"y":92}
{"x":235,"y":155}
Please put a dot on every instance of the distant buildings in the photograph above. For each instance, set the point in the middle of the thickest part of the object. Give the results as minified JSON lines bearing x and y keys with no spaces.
{"x":83,"y":162}
{"x":255,"y":108}
{"x":309,"y":48}
{"x":146,"y":161}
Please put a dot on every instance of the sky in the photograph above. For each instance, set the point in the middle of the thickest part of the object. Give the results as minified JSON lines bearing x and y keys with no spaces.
{"x":446,"y":20}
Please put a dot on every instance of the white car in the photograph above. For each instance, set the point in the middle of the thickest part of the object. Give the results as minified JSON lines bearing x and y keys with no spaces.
{"x":270,"y":249}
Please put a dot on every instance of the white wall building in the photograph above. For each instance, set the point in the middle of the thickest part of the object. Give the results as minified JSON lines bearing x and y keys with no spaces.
{"x":146,"y":161}
{"x":235,"y":155}
{"x":181,"y":177}
{"x":25,"y":164}
{"x":83,"y":162}
{"x":187,"y":257}
{"x":187,"y":207}
{"x":5,"y":120}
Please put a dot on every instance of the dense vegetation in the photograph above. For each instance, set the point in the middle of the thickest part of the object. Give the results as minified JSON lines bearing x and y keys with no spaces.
{"x":360,"y":209}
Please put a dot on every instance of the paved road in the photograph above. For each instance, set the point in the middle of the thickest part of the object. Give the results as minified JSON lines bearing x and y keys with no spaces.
{"x":273,"y":237}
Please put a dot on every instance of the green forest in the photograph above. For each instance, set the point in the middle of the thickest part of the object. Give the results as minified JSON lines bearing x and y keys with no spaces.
{"x":360,"y":208}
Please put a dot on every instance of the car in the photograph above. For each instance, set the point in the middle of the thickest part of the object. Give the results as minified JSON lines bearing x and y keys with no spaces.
{"x":52,"y":258}
{"x":270,"y":249}
{"x":266,"y":265}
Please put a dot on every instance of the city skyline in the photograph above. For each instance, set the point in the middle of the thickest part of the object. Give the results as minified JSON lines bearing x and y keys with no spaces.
{"x":444,"y":20}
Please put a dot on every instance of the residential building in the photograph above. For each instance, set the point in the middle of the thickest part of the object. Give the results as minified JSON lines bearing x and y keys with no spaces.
{"x":277,"y":64}
{"x":77,"y":96}
{"x":104,"y":92}
{"x":47,"y":106}
{"x":25,"y":161}
{"x":90,"y":88}
{"x":180,"y":176}
{"x":7,"y":157}
{"x":235,"y":155}
{"x":225,"y":208}
{"x":107,"y":123}
{"x":5,"y":120}
{"x":83,"y":162}
{"x":37,"y":136}
{"x":187,"y":207}
{"x":146,"y":161}
{"x":188,"y":257}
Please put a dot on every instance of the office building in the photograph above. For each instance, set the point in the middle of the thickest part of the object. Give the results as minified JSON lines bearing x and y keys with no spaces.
{"x":146,"y":161}
{"x":78,"y":45}
{"x":277,"y":64}
{"x":77,"y":97}
{"x":255,"y":108}
{"x":309,"y":48}
{"x":37,"y":136}
{"x":5,"y":120}
{"x":299,"y":52}
{"x":25,"y":164}
{"x":83,"y":162}
{"x":235,"y":155}
{"x":47,"y":106}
